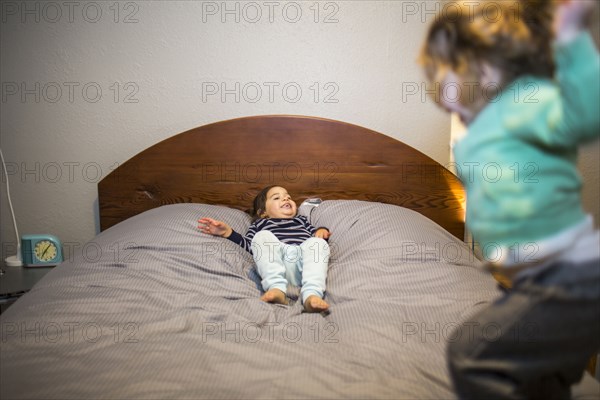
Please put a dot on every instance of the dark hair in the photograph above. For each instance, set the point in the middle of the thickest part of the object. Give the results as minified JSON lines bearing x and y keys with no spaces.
{"x":260,"y":202}
{"x":513,"y":36}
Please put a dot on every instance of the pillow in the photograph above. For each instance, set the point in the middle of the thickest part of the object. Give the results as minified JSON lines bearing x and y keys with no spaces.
{"x":162,"y":250}
{"x":165,"y":221}
{"x":169,"y":229}
{"x":394,"y":256}
{"x":377,"y":229}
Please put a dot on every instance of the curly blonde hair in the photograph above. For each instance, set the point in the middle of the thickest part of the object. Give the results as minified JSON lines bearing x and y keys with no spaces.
{"x":512,"y":36}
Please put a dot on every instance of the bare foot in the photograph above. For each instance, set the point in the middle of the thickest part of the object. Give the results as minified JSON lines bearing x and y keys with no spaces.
{"x":274,"y":296}
{"x":314,"y":304}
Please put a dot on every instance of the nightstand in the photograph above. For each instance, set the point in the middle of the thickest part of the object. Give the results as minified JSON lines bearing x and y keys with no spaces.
{"x":16,"y":281}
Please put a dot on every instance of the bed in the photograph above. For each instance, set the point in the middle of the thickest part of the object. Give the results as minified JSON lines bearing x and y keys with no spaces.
{"x":154,"y":309}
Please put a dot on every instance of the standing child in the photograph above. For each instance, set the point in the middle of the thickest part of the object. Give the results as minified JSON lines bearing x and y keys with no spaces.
{"x":285,"y":247}
{"x":493,"y":64}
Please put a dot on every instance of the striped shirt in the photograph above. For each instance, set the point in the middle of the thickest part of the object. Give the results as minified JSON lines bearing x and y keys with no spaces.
{"x":288,"y":230}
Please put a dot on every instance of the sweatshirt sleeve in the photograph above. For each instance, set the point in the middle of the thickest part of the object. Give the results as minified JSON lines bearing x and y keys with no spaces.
{"x":309,"y":226}
{"x":245,"y":241}
{"x":578,"y":76}
{"x":561,"y":113}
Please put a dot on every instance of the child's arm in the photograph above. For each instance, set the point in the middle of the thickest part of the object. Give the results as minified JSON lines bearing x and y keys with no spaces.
{"x":220,"y":228}
{"x":214,"y":227}
{"x":244,"y":241}
{"x":578,"y":73}
{"x":565,"y":113}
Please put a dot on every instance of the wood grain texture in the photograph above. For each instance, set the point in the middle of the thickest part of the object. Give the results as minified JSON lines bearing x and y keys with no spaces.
{"x":228,"y":162}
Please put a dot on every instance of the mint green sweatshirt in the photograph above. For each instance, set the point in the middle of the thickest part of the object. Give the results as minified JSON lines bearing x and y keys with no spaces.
{"x":518,"y":159}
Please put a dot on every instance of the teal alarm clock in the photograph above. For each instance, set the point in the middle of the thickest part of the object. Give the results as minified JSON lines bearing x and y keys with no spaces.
{"x":41,"y":250}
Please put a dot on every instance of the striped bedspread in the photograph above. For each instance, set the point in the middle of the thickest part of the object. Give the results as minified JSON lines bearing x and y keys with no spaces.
{"x":153,"y":309}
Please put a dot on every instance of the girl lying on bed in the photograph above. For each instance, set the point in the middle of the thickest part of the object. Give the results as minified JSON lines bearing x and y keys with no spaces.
{"x":285,"y":246}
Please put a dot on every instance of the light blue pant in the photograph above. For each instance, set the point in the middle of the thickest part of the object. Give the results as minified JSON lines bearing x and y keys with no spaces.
{"x":279,"y":263}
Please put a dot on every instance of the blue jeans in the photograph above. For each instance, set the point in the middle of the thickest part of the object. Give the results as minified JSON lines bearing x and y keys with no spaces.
{"x":304,"y":265}
{"x":535,"y":341}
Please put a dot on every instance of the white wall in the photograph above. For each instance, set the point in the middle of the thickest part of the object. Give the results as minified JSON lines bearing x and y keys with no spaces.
{"x":155,"y":64}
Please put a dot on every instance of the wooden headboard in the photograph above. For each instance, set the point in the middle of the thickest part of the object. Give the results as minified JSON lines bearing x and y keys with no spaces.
{"x":229,"y":162}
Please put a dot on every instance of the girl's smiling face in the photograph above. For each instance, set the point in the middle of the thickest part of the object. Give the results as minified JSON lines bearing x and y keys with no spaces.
{"x":279,"y":204}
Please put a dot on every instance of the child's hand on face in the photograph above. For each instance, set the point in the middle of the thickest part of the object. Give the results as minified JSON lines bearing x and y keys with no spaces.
{"x":214,"y":227}
{"x":322,"y":233}
{"x":571,"y":17}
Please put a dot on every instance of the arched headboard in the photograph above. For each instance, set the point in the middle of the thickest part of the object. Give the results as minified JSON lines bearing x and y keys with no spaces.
{"x":228,"y":162}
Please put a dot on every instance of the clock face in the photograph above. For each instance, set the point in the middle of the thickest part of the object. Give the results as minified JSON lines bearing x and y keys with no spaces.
{"x":41,"y":250}
{"x":44,"y":250}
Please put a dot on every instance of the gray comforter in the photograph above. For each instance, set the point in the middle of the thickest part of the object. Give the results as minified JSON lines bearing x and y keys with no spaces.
{"x":151,"y":308}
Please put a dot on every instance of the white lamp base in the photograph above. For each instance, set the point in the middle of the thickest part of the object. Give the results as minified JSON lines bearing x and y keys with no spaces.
{"x":13,"y":261}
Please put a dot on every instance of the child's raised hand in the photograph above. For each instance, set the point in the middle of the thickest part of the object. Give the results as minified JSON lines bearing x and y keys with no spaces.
{"x":571,"y":17}
{"x":214,"y":227}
